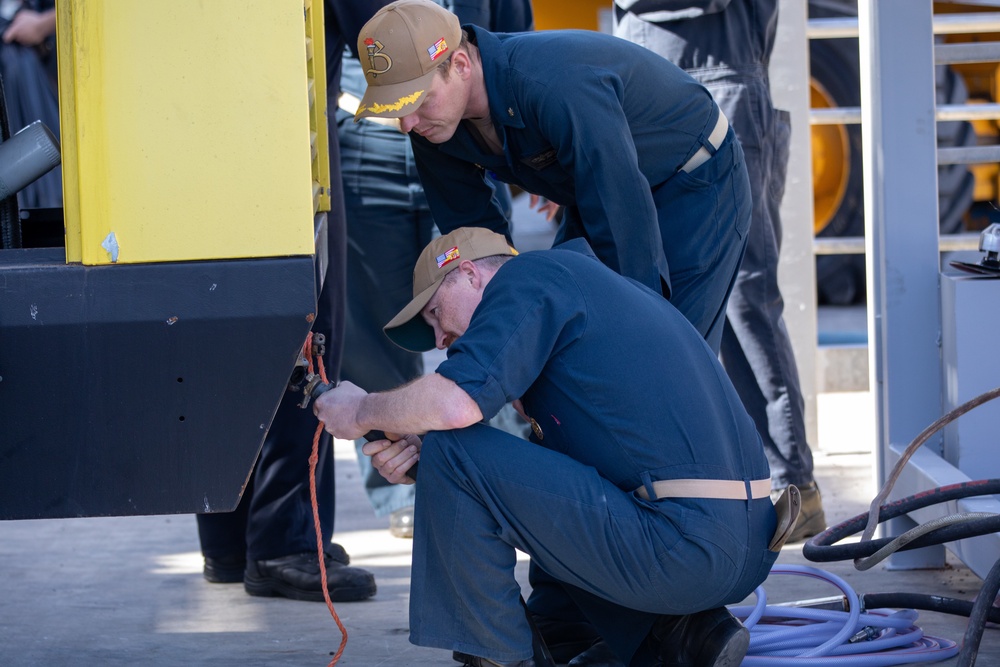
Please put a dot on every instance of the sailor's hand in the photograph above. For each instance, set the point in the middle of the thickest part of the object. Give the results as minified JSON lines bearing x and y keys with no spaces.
{"x":394,"y":457}
{"x":543,"y":205}
{"x":338,"y":410}
{"x":30,"y":28}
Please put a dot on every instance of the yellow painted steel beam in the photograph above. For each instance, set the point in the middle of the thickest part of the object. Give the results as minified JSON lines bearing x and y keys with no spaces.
{"x":67,"y":122}
{"x":186,"y":129}
{"x":316,"y":70}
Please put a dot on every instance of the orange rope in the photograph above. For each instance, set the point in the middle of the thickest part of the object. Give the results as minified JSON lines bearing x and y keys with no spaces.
{"x":307,"y":350}
{"x":313,"y":460}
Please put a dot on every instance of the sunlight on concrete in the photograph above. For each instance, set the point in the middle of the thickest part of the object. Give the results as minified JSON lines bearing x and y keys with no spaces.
{"x":183,"y":563}
{"x":198,"y":612}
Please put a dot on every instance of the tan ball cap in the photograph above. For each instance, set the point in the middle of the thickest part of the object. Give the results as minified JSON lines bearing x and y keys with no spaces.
{"x":408,"y":329}
{"x":400,"y":47}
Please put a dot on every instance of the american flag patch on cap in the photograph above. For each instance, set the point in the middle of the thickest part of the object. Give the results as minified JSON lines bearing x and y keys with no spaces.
{"x":449,"y":255}
{"x":437,"y":48}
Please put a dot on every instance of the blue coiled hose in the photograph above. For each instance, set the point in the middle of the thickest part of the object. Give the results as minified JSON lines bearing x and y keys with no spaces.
{"x":822,"y":638}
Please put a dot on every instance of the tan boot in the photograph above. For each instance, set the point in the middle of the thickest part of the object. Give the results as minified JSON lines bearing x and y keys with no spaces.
{"x":812,"y":520}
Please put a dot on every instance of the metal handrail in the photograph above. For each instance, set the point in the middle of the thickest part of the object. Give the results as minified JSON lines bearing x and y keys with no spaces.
{"x":855,"y":245}
{"x":944,"y":113}
{"x":960,"y":24}
{"x":943,"y":24}
{"x":832,"y":28}
{"x":947,"y":112}
{"x":835,"y":116}
{"x":964,"y":54}
{"x":968,"y":155}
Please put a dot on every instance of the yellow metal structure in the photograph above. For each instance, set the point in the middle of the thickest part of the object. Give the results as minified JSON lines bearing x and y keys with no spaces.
{"x":558,"y":14}
{"x":318,"y":131}
{"x":182,"y":141}
{"x":195,"y":176}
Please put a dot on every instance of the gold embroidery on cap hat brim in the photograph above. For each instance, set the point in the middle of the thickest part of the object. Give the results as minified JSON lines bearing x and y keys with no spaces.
{"x":395,"y":106}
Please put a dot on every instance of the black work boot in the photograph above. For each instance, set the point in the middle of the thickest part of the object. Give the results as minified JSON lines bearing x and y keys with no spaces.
{"x":298,"y":577}
{"x":598,"y":655}
{"x":564,"y":639}
{"x":230,"y":569}
{"x":541,"y":657}
{"x":224,"y":569}
{"x":713,"y":638}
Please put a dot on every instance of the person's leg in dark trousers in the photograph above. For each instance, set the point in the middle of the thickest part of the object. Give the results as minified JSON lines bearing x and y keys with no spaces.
{"x":275,"y":512}
{"x":280,"y":520}
{"x":223,"y":538}
{"x":756,"y":349}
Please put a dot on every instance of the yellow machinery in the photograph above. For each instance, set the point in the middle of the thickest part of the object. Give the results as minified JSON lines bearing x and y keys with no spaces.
{"x":981,"y":82}
{"x":142,"y":360}
{"x":557,"y":14}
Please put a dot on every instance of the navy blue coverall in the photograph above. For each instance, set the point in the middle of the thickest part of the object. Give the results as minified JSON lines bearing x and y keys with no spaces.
{"x":726,"y":45}
{"x":568,"y":335}
{"x":603,"y":127}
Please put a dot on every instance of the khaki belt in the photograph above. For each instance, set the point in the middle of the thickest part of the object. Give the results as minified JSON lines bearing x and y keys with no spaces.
{"x":787,"y":506}
{"x":350,"y":104}
{"x":722,"y":489}
{"x":702,"y":155}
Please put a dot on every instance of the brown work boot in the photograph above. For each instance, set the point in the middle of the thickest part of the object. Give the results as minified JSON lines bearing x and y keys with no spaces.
{"x":812,"y":520}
